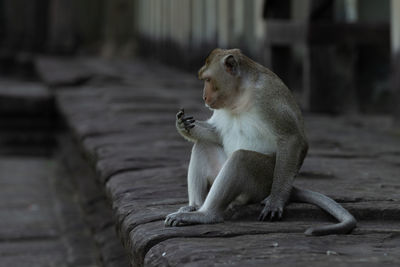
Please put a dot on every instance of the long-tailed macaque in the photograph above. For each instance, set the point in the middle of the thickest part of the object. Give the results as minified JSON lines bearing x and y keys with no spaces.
{"x":251,"y":148}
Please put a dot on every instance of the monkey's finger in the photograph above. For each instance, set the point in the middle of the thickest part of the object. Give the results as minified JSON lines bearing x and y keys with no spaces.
{"x":280,"y":213}
{"x":169,"y":221}
{"x":187,"y":118}
{"x":263,"y":214}
{"x":187,"y":123}
{"x":273,"y":215}
{"x":180,"y":113}
{"x":189,"y":127}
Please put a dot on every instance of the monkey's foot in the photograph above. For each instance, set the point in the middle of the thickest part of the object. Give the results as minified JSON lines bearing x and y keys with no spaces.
{"x":188,"y":218}
{"x":187,"y":209}
{"x":273,"y":209}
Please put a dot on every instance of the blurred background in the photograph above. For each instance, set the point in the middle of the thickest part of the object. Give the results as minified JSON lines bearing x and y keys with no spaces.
{"x":337,"y":56}
{"x":89,"y":90}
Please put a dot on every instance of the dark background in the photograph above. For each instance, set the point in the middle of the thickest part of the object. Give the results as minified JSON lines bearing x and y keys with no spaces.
{"x":337,"y":56}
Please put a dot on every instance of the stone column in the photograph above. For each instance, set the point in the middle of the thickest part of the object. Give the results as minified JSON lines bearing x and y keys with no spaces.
{"x":395,"y":45}
{"x":395,"y":26}
{"x":118,"y":27}
{"x":62,"y":37}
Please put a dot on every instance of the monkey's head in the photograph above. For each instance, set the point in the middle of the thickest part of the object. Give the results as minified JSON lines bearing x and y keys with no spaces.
{"x":221,"y":76}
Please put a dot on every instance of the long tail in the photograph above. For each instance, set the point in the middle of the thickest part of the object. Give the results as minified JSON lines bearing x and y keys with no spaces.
{"x":346,"y":221}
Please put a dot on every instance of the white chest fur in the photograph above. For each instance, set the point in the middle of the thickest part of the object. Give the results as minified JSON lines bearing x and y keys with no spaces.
{"x":245,"y":131}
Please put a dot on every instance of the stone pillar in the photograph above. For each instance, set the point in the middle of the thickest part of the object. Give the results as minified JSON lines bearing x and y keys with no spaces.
{"x":395,"y":46}
{"x":89,"y":23}
{"x":395,"y":26}
{"x":62,"y":37}
{"x":300,"y":12}
{"x":23,"y":25}
{"x":238,"y":22}
{"x":248,"y":25}
{"x":118,"y":27}
{"x":224,"y":28}
{"x":211,"y":21}
{"x":198,"y":23}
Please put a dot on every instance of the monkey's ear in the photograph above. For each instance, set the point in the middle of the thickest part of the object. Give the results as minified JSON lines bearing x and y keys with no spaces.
{"x":231,"y":64}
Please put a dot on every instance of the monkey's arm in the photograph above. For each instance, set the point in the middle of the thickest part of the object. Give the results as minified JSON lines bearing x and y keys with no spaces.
{"x":204,"y":131}
{"x":194,"y":131}
{"x":288,"y":160}
{"x":291,"y":150}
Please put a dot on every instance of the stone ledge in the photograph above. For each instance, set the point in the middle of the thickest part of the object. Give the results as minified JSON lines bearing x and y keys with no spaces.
{"x":27,"y":118}
{"x":27,"y":99}
{"x":96,"y":209}
{"x":126,"y":130}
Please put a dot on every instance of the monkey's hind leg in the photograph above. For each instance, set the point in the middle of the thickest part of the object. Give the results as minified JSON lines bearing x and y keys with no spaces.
{"x":206,"y":161}
{"x":245,"y":173}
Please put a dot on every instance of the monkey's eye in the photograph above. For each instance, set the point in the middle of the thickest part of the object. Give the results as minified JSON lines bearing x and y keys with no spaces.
{"x":207,"y":79}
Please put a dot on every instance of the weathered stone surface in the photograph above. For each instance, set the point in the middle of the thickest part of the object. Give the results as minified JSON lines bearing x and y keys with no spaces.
{"x":58,"y":72}
{"x":141,"y":212}
{"x":357,"y":178}
{"x":40,"y":224}
{"x":277,"y":249}
{"x":126,"y":129}
{"x":32,"y":253}
{"x":30,"y":214}
{"x":97,"y":211}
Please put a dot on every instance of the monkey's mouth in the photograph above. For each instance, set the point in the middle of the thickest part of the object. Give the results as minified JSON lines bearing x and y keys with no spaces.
{"x":213,"y":105}
{"x":208,"y":106}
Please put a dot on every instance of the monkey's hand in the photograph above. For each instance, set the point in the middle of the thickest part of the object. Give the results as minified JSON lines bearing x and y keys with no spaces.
{"x":184,"y":124}
{"x":194,"y":131}
{"x":273,"y":208}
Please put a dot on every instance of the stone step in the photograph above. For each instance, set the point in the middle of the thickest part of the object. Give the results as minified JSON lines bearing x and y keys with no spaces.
{"x":141,"y":162}
{"x":27,"y":118}
{"x":25,"y":98}
{"x":26,"y":138}
{"x":27,"y":143}
{"x":27,"y":124}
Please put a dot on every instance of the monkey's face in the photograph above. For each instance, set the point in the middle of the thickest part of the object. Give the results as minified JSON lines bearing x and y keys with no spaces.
{"x":218,"y":92}
{"x":211,"y":94}
{"x":220,"y":80}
